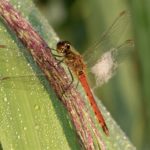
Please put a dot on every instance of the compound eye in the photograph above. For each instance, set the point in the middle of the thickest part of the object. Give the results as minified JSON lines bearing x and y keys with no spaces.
{"x":68,"y":46}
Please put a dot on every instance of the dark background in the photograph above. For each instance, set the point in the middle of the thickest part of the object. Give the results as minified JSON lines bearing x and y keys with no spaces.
{"x":127,"y":95}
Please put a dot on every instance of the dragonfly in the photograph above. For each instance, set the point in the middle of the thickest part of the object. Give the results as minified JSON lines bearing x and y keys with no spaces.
{"x":103,"y":67}
{"x":75,"y":62}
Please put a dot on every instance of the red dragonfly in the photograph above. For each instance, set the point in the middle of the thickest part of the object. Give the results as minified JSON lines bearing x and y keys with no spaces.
{"x":103,"y":67}
{"x":75,"y":62}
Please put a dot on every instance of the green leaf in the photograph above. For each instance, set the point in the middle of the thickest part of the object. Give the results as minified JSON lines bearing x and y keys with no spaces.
{"x":31,"y":115}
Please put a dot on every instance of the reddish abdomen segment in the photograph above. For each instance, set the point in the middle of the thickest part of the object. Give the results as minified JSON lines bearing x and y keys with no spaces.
{"x":83,"y":80}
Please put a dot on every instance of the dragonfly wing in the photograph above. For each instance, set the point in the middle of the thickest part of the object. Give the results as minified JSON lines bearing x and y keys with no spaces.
{"x":28,"y":82}
{"x":15,"y":71}
{"x":8,"y":54}
{"x":114,"y":36}
{"x":106,"y":66}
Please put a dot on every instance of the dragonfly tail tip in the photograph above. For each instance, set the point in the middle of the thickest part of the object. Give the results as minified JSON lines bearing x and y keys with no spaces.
{"x":105,"y":129}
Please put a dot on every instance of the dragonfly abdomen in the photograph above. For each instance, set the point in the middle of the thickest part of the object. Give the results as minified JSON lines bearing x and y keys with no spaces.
{"x":92,"y":101}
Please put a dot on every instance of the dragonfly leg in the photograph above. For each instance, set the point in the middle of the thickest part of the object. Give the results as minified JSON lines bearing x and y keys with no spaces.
{"x":77,"y":83}
{"x":56,"y":56}
{"x":72,"y":80}
{"x":60,"y":61}
{"x":52,"y":49}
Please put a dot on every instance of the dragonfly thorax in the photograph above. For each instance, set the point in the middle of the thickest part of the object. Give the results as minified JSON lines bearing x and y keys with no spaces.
{"x":72,"y":58}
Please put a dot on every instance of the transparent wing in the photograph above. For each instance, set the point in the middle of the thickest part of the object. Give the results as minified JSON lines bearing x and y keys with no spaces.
{"x":10,"y":55}
{"x":106,"y":66}
{"x":117,"y":33}
{"x":15,"y":72}
{"x":28,"y":82}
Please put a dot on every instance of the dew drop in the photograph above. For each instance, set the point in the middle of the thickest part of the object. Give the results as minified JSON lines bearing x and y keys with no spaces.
{"x":125,"y":138}
{"x":18,"y":5}
{"x":108,"y":114}
{"x":25,"y":128}
{"x":5,"y":99}
{"x":19,"y":115}
{"x":36,"y":107}
{"x":36,"y":127}
{"x":18,"y":136}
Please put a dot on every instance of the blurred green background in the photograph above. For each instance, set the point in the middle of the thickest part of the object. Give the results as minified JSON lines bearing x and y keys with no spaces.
{"x":127,"y":95}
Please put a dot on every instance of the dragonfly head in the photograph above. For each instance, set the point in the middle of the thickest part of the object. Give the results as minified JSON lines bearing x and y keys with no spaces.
{"x":63,"y":47}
